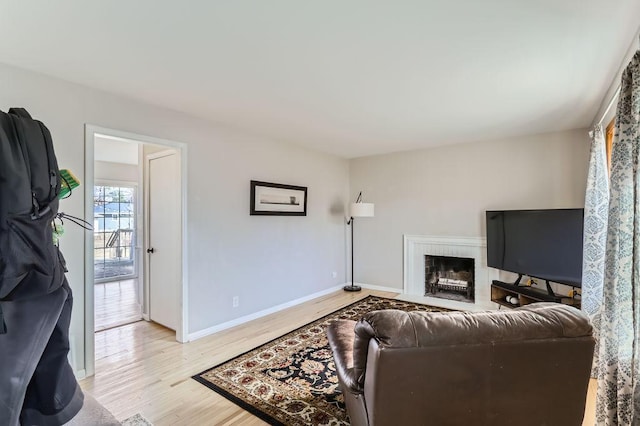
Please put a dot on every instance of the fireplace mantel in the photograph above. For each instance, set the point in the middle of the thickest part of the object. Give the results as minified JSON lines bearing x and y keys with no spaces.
{"x":417,"y":246}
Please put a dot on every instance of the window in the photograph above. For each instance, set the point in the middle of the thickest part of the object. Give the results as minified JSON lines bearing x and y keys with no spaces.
{"x":609,"y":141}
{"x":114,"y":232}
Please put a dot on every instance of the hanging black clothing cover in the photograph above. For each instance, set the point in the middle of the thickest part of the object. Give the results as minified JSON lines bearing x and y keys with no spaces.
{"x":37,"y":385}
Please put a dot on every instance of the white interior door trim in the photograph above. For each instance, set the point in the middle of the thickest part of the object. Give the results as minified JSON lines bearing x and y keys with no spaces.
{"x":140,"y":238}
{"x":182,"y":332}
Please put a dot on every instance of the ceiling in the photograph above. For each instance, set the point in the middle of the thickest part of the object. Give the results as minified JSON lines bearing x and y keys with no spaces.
{"x":351,"y":78}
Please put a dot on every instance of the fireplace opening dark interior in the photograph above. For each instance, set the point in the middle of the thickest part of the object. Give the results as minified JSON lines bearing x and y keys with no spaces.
{"x":450,"y":277}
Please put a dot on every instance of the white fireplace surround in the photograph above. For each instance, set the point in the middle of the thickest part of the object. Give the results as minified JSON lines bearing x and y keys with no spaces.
{"x":415,"y":249}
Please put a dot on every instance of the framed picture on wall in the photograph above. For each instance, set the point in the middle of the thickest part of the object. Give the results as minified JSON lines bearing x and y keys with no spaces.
{"x":276,"y":199}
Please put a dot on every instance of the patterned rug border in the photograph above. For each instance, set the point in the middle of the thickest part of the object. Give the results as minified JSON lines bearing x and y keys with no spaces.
{"x":241,"y":403}
{"x":246,"y":405}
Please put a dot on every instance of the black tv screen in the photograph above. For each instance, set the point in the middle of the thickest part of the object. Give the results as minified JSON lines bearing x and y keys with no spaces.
{"x":545,"y":244}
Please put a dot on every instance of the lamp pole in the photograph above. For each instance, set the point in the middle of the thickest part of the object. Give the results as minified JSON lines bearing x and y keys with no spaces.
{"x":353,"y":272}
{"x":353,"y":286}
{"x":358,"y":209}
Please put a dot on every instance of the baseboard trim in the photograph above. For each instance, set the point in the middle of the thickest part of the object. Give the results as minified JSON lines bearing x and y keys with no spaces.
{"x":238,"y":321}
{"x":80,"y":374}
{"x":379,"y":288}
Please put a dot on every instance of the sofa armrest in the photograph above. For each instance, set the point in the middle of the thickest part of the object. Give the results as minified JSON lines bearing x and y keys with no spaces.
{"x":341,"y":337}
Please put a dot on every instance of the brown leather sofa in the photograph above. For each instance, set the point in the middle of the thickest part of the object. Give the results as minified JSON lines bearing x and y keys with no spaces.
{"x":526,"y":366}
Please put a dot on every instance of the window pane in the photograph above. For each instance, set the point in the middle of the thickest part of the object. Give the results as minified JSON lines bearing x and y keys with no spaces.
{"x":114,"y":231}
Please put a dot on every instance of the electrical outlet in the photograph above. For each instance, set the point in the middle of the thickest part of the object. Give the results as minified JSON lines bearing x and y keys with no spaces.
{"x":236,"y":301}
{"x":334,"y":274}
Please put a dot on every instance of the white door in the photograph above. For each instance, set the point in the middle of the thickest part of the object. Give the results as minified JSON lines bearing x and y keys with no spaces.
{"x":165,"y":240}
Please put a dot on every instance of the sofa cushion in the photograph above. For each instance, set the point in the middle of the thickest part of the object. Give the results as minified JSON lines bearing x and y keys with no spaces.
{"x":400,"y":329}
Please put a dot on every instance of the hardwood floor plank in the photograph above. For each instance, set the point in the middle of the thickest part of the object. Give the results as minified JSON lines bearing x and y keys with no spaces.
{"x":116,"y":304}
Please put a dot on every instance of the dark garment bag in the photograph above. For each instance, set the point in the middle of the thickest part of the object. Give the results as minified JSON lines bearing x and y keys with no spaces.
{"x":29,"y":187}
{"x":37,"y":384}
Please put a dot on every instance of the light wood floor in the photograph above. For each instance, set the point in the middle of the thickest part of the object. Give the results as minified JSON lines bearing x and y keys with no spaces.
{"x":116,"y":303}
{"x":140,"y":368}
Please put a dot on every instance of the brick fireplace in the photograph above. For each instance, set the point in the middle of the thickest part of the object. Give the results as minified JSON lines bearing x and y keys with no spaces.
{"x":458,"y":277}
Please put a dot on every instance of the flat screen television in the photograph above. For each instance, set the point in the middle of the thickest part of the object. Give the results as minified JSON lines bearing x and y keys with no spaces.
{"x":545,"y":244}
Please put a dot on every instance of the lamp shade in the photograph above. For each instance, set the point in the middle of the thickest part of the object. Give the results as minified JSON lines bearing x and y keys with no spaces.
{"x":361,"y":209}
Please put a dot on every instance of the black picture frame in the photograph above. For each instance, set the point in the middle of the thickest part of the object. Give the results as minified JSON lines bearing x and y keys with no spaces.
{"x":276,"y":199}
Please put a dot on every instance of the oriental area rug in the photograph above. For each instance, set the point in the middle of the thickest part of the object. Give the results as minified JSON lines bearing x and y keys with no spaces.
{"x":291,"y":380}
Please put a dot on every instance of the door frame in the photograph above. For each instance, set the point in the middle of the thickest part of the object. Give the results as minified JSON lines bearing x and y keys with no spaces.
{"x":182,"y":332}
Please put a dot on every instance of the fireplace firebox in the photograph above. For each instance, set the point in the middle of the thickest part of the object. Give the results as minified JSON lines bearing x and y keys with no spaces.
{"x":449,"y":278}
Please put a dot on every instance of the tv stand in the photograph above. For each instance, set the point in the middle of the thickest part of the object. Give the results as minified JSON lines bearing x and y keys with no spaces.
{"x":525,"y":295}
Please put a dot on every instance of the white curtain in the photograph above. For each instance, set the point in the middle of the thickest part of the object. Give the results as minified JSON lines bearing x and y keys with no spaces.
{"x":618,"y":396}
{"x":596,"y":211}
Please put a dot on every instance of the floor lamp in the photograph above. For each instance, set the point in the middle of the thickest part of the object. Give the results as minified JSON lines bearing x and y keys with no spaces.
{"x":358,"y":209}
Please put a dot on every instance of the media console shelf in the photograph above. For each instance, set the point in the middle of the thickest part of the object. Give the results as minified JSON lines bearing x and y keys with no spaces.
{"x":500,"y":290}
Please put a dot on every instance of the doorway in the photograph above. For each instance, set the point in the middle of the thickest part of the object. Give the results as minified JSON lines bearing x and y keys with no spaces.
{"x":125,"y":287}
{"x":115,"y":228}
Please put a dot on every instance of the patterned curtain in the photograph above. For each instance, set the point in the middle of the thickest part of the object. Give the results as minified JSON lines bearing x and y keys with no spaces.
{"x":596,"y":211}
{"x":618,"y":396}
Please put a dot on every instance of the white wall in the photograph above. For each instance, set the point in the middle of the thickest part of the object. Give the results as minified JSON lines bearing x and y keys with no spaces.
{"x":106,"y":170}
{"x":264,"y":260}
{"x":114,"y":150}
{"x":446,"y":190}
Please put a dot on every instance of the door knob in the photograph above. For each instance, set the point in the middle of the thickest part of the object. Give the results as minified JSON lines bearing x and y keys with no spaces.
{"x":150,"y":250}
